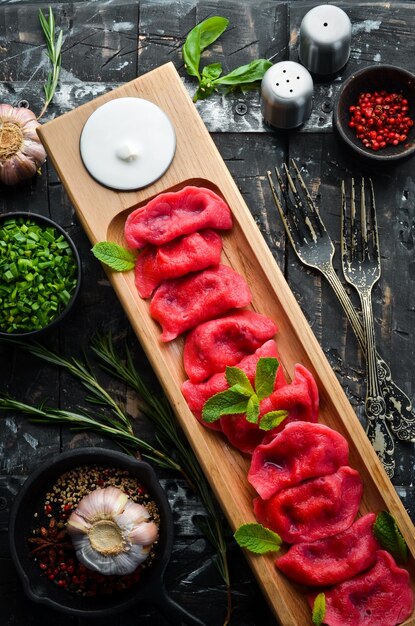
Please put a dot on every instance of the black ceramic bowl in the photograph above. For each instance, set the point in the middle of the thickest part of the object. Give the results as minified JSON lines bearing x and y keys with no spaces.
{"x":63,"y":311}
{"x":149,"y":589}
{"x":370,"y":79}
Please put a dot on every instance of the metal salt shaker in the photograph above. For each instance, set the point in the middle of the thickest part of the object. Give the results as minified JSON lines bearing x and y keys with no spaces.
{"x":325,"y":36}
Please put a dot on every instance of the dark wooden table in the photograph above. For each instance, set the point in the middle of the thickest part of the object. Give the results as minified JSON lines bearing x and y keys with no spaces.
{"x":109,"y":43}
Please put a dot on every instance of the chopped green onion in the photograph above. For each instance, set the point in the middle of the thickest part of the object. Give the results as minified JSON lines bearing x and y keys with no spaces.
{"x":38,"y":274}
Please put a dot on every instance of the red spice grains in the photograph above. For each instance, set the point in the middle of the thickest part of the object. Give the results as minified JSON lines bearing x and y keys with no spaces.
{"x":381,"y":119}
{"x":51,"y":546}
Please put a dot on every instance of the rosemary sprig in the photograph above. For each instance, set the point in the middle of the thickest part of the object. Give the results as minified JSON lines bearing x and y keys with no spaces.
{"x":83,"y":421}
{"x":84,"y":374}
{"x":54,"y":53}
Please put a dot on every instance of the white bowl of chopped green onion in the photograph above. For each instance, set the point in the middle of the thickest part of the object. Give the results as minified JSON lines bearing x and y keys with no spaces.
{"x":40,"y":274}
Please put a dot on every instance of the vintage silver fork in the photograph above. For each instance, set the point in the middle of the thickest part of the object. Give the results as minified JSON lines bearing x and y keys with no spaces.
{"x":361,"y":268}
{"x":314,"y":248}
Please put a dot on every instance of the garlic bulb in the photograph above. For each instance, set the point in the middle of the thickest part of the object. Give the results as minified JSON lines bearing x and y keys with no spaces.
{"x":21,"y":152}
{"x":111,"y":534}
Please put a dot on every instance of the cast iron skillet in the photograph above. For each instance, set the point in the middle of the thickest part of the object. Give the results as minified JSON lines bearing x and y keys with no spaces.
{"x":40,"y":589}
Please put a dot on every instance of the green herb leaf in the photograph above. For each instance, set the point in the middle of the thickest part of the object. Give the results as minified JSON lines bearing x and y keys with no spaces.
{"x":191,"y":52}
{"x":224,"y":403}
{"x":266,"y":371}
{"x":236,"y":376}
{"x":199,"y":38}
{"x":319,"y":609}
{"x":245,"y":73}
{"x":272,"y":419}
{"x":389,"y":536}
{"x":256,"y":538}
{"x":252,"y":409}
{"x":212,"y":71}
{"x":113,"y":255}
{"x":207,"y":81}
{"x":54,"y":54}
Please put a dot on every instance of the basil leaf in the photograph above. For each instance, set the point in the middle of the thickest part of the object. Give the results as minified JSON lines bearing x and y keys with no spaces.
{"x":224,"y":403}
{"x":115,"y":256}
{"x":319,"y":609}
{"x":272,"y":419}
{"x":212,"y":71}
{"x":211,"y":29}
{"x":199,"y":38}
{"x":205,"y":89}
{"x":389,"y":536}
{"x":245,"y":73}
{"x":256,"y":538}
{"x":252,"y":409}
{"x":191,"y":52}
{"x":236,"y":376}
{"x":266,"y":371}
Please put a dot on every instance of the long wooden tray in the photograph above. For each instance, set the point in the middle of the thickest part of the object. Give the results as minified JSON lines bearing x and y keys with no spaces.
{"x":102,"y":213}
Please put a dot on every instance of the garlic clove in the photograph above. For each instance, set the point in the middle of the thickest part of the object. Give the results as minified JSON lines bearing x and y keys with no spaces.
{"x":97,"y":503}
{"x":132,"y":515}
{"x":22,"y":116}
{"x":114,"y":501}
{"x":77,"y":524}
{"x":5,"y":110}
{"x":33,"y":150}
{"x":17,"y":168}
{"x":144,"y":534}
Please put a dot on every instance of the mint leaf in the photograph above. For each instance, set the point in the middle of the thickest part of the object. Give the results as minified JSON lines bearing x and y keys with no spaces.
{"x":243,"y":390}
{"x":272,"y":419}
{"x":236,"y":376}
{"x":389,"y":536}
{"x":252,"y":409}
{"x":319,"y":609}
{"x":116,"y":257}
{"x":256,"y":538}
{"x":266,"y":371}
{"x":224,"y":403}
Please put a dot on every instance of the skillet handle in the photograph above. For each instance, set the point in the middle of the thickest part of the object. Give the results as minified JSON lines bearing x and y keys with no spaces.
{"x":173,"y":612}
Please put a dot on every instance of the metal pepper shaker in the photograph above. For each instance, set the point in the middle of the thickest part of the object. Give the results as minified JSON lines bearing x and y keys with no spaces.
{"x":286,"y":95}
{"x":325,"y":36}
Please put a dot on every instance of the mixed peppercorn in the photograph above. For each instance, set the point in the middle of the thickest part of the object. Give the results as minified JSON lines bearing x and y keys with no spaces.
{"x":381,"y":119}
{"x":51,"y":546}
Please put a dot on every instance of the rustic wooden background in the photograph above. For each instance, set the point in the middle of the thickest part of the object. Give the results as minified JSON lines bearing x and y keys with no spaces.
{"x":108,"y":43}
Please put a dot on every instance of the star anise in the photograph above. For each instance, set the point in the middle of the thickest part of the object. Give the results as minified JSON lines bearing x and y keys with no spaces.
{"x":50,"y":539}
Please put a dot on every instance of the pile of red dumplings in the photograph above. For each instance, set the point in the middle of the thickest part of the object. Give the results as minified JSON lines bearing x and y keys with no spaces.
{"x":307,"y":492}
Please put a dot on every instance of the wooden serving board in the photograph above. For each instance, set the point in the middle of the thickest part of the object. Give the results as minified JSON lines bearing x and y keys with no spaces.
{"x":103,"y":212}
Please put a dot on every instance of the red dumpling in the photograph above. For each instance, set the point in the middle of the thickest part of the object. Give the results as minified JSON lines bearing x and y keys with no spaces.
{"x":334,"y":559}
{"x":196,"y":394}
{"x":381,"y":596}
{"x":211,"y":346}
{"x":299,"y":398}
{"x":317,"y":508}
{"x":172,"y":214}
{"x":302,"y":450}
{"x":182,"y":303}
{"x":189,"y":253}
